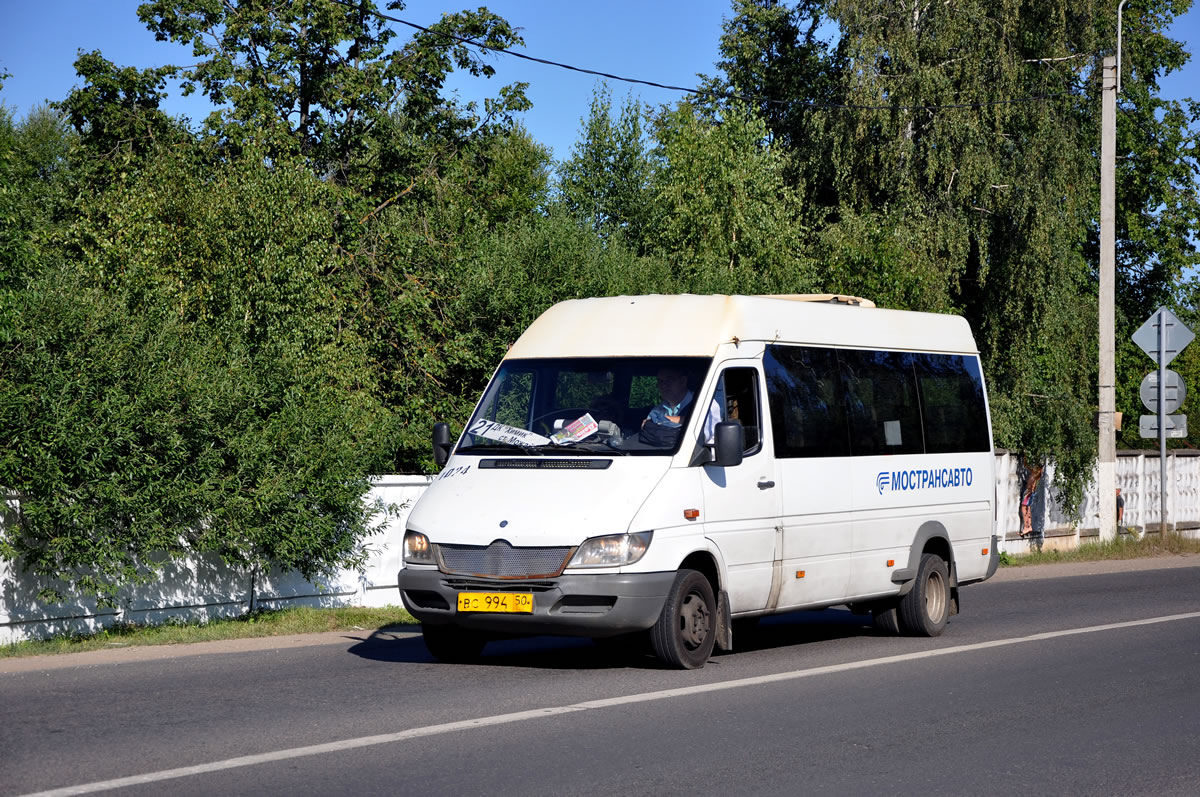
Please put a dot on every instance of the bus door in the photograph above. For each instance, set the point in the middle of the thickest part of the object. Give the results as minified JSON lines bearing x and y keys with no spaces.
{"x":742,"y":503}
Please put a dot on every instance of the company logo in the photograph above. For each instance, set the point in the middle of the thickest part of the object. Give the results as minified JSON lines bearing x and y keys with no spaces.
{"x":923,"y":479}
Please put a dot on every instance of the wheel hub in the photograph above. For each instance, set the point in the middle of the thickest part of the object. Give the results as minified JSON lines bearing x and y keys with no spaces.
{"x":935,"y":597}
{"x":694,"y":620}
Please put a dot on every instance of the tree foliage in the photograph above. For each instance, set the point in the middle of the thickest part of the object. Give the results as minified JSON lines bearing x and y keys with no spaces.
{"x":707,"y":194}
{"x":605,"y":183}
{"x":723,"y":212}
{"x":187,"y":385}
{"x":319,"y":78}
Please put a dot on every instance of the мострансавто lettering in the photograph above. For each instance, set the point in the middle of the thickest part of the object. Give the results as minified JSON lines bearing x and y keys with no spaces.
{"x":923,"y":478}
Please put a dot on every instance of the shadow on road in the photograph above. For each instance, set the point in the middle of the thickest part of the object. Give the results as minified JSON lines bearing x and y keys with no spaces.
{"x":567,"y":653}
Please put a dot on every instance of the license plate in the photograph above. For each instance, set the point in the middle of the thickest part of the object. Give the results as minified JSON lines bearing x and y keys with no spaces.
{"x":508,"y":602}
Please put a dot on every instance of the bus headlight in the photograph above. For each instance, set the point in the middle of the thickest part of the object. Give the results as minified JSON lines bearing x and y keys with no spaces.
{"x":417,"y":549}
{"x":612,"y":551}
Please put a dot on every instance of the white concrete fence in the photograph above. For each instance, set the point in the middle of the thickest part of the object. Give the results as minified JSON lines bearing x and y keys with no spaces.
{"x":1138,"y":477}
{"x":202,"y":589}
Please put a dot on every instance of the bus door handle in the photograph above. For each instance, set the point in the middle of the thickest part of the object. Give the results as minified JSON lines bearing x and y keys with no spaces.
{"x":765,"y":484}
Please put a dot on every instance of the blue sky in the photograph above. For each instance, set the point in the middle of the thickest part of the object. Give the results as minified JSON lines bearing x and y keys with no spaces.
{"x":666,"y":41}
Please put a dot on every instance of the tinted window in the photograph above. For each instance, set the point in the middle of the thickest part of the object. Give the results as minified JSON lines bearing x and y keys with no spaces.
{"x":835,"y":402}
{"x":805,"y":397}
{"x":881,"y":402}
{"x":952,"y":403}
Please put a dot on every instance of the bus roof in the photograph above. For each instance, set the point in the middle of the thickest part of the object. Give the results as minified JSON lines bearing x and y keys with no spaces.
{"x":690,"y":325}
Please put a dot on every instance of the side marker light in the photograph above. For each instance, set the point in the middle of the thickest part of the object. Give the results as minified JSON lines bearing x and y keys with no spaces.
{"x":891,"y":562}
{"x":691,"y":514}
{"x":799,"y":574}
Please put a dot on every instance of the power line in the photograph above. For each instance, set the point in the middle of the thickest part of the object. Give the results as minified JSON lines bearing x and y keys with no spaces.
{"x":718,"y":95}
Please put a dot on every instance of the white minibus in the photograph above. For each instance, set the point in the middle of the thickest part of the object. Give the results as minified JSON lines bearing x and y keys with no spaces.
{"x":661,"y":466}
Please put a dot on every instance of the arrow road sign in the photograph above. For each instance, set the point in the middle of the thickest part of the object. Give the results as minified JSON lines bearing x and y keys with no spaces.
{"x":1175,"y":425}
{"x":1174,"y":391}
{"x":1177,"y":335}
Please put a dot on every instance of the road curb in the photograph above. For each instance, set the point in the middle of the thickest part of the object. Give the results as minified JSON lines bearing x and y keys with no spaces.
{"x":122,"y":655}
{"x":1070,"y":569}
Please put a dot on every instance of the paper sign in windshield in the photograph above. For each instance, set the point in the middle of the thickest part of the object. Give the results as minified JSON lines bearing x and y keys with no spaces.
{"x":576,"y":430}
{"x":507,"y":434}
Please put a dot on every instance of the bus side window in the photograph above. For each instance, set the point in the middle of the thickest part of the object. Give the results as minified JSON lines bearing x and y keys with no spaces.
{"x":808,"y":416}
{"x":741,"y":403}
{"x":952,"y":403}
{"x":885,"y":416}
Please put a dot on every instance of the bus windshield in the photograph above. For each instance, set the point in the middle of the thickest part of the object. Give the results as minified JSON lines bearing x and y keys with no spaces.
{"x":586,"y":406}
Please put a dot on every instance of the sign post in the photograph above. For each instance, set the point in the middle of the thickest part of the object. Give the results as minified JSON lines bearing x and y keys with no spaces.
{"x":1162,"y":337}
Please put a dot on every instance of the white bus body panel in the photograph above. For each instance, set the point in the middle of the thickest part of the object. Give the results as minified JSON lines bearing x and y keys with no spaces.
{"x":466,"y":504}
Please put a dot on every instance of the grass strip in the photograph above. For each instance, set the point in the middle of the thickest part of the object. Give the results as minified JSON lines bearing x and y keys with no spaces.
{"x":1125,"y":546}
{"x":272,"y":622}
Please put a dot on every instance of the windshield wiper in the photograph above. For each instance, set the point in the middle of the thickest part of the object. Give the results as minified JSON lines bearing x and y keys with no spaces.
{"x":496,"y":447}
{"x":590,"y":446}
{"x":604,"y":446}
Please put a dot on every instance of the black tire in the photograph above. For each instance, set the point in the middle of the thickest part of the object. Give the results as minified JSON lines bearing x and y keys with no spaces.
{"x":451,"y":644}
{"x":887,"y":619}
{"x":926,"y":608}
{"x":686,"y":630}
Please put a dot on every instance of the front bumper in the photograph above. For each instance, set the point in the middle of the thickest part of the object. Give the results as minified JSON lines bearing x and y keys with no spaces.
{"x":568,"y":605}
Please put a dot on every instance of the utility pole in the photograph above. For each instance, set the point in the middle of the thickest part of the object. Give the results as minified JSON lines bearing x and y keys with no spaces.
{"x":1107,"y":459}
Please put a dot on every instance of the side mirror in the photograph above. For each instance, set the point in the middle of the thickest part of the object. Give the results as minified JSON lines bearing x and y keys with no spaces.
{"x":729,"y":442}
{"x":441,"y":443}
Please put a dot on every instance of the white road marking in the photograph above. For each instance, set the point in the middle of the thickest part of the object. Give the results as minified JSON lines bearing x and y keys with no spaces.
{"x":521,"y":716}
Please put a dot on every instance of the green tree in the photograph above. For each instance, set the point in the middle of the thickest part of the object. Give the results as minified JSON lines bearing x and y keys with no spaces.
{"x":605,"y":183}
{"x":36,"y":194}
{"x":724,"y":213}
{"x":211,"y":342}
{"x":774,"y":57}
{"x":189,"y":382}
{"x":456,"y":321}
{"x":116,"y":114}
{"x":317,"y":77}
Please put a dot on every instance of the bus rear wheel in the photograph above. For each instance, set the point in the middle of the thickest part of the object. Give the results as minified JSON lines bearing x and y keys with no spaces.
{"x":887,"y":619}
{"x":686,"y":630}
{"x":925,"y":610}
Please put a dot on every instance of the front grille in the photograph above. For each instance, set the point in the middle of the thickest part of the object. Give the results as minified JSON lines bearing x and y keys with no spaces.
{"x":502,"y":560}
{"x":545,"y":463}
{"x":460,"y":584}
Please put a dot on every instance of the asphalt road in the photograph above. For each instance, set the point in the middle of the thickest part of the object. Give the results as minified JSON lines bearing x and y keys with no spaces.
{"x":1059,"y":681}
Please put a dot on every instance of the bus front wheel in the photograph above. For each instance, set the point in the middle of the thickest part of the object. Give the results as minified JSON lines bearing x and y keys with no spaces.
{"x":686,"y":630}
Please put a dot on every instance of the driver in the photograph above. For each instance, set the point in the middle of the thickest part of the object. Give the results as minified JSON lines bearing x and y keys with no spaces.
{"x":668,"y":415}
{"x":672,"y":386}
